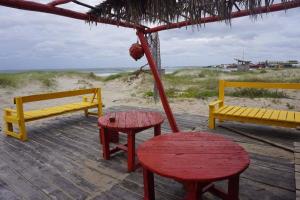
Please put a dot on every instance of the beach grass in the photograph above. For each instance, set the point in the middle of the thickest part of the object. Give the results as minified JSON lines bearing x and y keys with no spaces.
{"x":203,"y":83}
{"x":184,"y":83}
{"x":46,"y":79}
{"x":116,"y":76}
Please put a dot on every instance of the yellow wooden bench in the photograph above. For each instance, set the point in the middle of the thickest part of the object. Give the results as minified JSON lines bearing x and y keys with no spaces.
{"x":19,"y":117}
{"x":217,"y":109}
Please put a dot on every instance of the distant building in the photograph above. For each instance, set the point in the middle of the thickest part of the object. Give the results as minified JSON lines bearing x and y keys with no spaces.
{"x":243,"y":65}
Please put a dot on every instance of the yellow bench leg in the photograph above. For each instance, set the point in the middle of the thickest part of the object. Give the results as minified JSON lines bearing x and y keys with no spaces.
{"x":86,"y":111}
{"x":8,"y":127}
{"x":9,"y":131}
{"x":22,"y":131}
{"x":212,"y":120}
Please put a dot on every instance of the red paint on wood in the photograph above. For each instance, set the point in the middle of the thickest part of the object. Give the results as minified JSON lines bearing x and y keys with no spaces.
{"x":58,"y":2}
{"x":193,"y":156}
{"x":159,"y":85}
{"x":45,"y":8}
{"x":126,"y":121}
{"x":130,"y":123}
{"x":148,"y":185}
{"x":194,"y":159}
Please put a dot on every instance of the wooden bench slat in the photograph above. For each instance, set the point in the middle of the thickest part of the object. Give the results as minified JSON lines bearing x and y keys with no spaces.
{"x":220,"y":109}
{"x":246,"y":112}
{"x":275,"y":115}
{"x":241,"y":110}
{"x":226,"y":110}
{"x":297,"y":117}
{"x":260,"y":113}
{"x":290,"y":116}
{"x":282,"y":115}
{"x":267,"y":114}
{"x":232,"y":111}
{"x":253,"y":112}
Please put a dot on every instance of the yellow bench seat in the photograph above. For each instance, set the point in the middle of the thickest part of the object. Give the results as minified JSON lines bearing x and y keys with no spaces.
{"x":52,"y":111}
{"x":258,"y":113}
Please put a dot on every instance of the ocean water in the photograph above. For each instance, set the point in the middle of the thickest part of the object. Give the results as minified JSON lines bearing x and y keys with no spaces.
{"x":97,"y":71}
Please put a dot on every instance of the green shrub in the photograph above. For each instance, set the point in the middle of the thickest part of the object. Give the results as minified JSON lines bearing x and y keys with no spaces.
{"x":7,"y":80}
{"x":149,"y":94}
{"x":115,"y":76}
{"x":258,"y":93}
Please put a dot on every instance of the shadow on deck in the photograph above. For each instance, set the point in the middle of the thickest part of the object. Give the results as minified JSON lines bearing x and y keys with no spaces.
{"x":62,"y":160}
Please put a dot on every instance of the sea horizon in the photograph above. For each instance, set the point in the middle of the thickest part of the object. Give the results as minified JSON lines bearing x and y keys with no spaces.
{"x":96,"y":71}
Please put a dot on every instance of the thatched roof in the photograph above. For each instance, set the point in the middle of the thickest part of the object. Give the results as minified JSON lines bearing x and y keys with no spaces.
{"x":168,"y":11}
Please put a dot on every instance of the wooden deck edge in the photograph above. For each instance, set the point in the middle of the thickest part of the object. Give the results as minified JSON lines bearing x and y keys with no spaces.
{"x":297,"y":168}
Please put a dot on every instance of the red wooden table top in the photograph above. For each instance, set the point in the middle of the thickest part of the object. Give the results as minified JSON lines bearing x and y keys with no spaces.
{"x":193,"y":156}
{"x":131,"y":120}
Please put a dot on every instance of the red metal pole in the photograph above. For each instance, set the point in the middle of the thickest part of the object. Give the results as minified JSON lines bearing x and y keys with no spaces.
{"x":242,"y":13}
{"x":159,"y":84}
{"x":58,"y":2}
{"x":49,"y":8}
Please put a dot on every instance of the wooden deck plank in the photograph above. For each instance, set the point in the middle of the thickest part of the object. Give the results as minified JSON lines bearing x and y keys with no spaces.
{"x":21,"y":186}
{"x":6,"y":192}
{"x":34,"y":171}
{"x":63,"y":160}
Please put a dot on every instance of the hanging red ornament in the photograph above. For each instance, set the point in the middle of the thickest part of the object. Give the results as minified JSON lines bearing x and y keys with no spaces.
{"x":136,"y":51}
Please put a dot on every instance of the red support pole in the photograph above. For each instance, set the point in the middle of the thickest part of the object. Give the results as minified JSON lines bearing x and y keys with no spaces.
{"x":158,"y":81}
{"x":49,"y":8}
{"x":58,"y":2}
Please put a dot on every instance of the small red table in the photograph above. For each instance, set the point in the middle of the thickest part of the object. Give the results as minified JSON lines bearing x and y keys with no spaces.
{"x":130,"y":123}
{"x":194,"y":159}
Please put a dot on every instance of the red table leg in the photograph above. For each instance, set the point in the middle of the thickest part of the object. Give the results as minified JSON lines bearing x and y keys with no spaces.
{"x":149,"y":193}
{"x":104,"y":137}
{"x":233,"y":188}
{"x":193,"y":191}
{"x":131,"y":151}
{"x":157,"y":130}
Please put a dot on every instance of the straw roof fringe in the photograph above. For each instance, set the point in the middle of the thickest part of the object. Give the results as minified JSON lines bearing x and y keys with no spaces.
{"x":168,"y":11}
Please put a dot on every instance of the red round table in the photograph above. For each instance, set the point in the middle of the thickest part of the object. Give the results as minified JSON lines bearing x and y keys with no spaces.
{"x":131,"y":122}
{"x":195,"y":159}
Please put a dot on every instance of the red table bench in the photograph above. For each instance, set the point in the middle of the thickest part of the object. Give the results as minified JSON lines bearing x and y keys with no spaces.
{"x":194,"y":159}
{"x":130,"y":123}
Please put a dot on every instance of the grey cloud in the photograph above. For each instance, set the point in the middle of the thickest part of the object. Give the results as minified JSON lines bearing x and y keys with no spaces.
{"x":29,"y":39}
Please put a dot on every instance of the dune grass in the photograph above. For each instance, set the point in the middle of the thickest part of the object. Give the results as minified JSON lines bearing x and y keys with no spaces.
{"x":116,"y":76}
{"x":46,"y":79}
{"x":203,"y":83}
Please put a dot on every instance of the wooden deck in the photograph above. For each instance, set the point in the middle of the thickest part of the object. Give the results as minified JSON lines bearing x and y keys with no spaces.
{"x":62,"y":160}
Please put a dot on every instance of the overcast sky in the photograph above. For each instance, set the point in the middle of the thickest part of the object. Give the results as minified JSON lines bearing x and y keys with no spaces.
{"x":30,"y":40}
